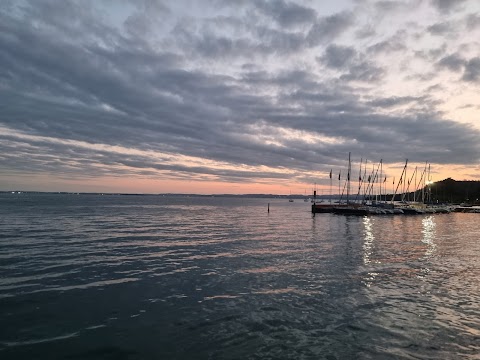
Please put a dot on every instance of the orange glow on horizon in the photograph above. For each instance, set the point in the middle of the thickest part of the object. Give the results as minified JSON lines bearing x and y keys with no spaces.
{"x":144,"y":185}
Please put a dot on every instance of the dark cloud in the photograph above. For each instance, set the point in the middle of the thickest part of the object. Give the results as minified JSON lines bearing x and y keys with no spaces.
{"x":221,"y":47}
{"x":339,"y":57}
{"x":472,"y":70}
{"x":386,"y":47}
{"x":431,"y":55}
{"x":364,"y":71}
{"x":280,"y":42}
{"x":388,"y":6}
{"x":435,"y":87}
{"x":447,"y":5}
{"x":328,"y":28}
{"x":356,"y":67}
{"x":469,"y":106}
{"x":472,"y":21}
{"x":151,"y":6}
{"x":265,"y":40}
{"x":394,"y":43}
{"x":365,"y":32}
{"x":440,"y":29}
{"x":287,"y":14}
{"x":422,"y":76}
{"x":452,"y":62}
{"x":394,"y":101}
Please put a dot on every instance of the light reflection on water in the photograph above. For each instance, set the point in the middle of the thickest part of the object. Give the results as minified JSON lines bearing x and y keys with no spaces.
{"x":428,"y":231}
{"x":369,"y":239}
{"x":143,"y":277}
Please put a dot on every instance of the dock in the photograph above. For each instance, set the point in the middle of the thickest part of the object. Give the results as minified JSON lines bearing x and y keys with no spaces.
{"x":388,"y":209}
{"x":468,"y":209}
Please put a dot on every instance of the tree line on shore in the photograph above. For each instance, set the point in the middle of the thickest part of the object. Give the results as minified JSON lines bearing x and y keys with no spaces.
{"x":452,"y":191}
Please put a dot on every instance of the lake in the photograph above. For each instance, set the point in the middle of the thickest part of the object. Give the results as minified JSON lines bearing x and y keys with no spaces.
{"x":158,"y":277}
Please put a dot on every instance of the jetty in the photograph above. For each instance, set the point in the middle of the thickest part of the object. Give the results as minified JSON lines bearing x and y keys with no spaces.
{"x":468,"y":209}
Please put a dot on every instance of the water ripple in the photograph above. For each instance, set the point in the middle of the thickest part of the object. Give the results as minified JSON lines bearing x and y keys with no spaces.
{"x":222,"y":278}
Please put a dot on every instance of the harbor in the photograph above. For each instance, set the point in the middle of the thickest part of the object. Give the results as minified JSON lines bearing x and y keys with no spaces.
{"x":411,"y":195}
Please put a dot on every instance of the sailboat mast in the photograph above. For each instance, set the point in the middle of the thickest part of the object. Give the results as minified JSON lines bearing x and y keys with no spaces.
{"x":416,"y":186}
{"x":364,"y":180}
{"x":348,"y":176}
{"x":331,"y":185}
{"x":339,"y":177}
{"x":408,"y":185}
{"x":423,"y":185}
{"x":429,"y":187}
{"x":381,"y":178}
{"x":400,"y":181}
{"x":359,"y":180}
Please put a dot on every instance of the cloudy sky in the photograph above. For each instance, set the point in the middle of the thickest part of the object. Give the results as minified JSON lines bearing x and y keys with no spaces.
{"x":244,"y":96}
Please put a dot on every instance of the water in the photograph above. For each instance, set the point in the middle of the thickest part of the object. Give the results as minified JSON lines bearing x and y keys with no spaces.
{"x":150,"y":277}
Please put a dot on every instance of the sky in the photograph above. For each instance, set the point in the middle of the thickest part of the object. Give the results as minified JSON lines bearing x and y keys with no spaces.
{"x":244,"y":96}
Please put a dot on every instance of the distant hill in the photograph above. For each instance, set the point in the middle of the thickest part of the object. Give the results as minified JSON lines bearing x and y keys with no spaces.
{"x":453,"y":191}
{"x":450,"y":191}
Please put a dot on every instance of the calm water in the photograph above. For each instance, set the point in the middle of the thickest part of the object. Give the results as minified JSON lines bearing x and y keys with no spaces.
{"x":128,"y":277}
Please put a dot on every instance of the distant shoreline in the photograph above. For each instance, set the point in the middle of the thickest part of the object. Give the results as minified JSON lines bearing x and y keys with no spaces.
{"x":273,"y":196}
{"x":444,"y":191}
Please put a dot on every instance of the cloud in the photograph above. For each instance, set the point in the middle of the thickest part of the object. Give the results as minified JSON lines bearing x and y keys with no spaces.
{"x":452,"y":62}
{"x":394,"y":101}
{"x":221,"y":47}
{"x":280,"y":42}
{"x":356,"y":66}
{"x":391,"y":44}
{"x":364,"y":71}
{"x":287,"y":14}
{"x":447,"y":5}
{"x":440,"y":29}
{"x":251,"y":92}
{"x":263,"y":40}
{"x":329,"y":27}
{"x":339,"y":57}
{"x":472,"y":70}
{"x":472,"y":21}
{"x":387,"y":6}
{"x":365,"y":32}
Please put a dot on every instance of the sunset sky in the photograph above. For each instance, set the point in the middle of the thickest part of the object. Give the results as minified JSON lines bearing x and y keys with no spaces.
{"x":236,"y":96}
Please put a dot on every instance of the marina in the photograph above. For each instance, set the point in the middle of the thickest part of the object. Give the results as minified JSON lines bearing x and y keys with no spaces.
{"x":411,"y":196}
